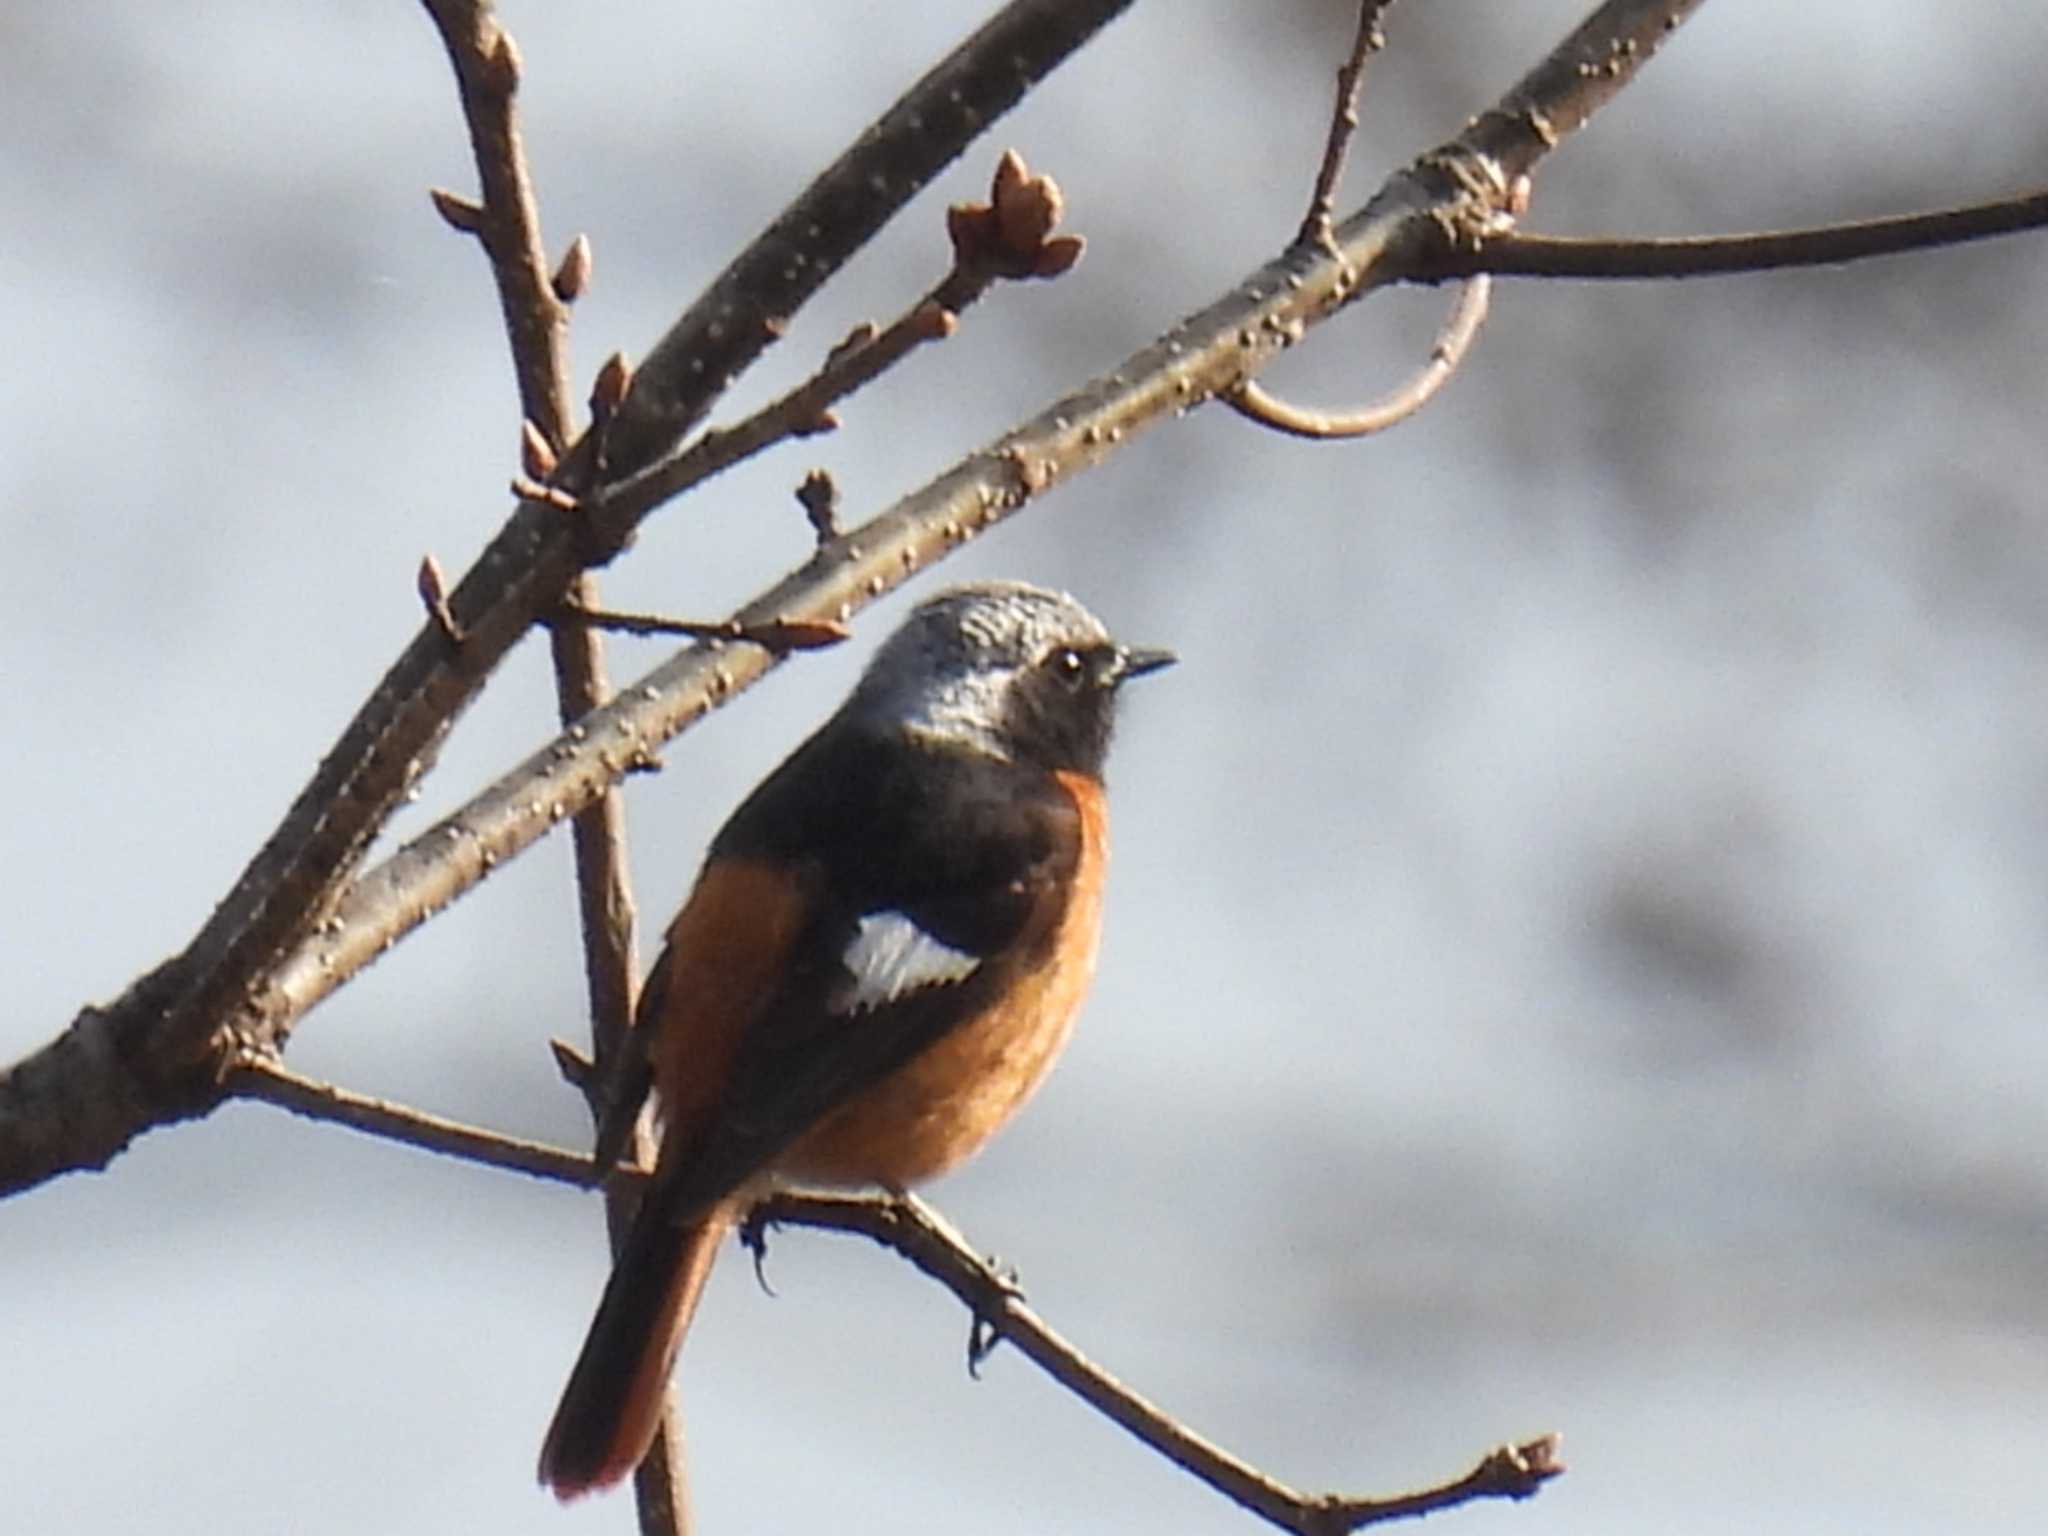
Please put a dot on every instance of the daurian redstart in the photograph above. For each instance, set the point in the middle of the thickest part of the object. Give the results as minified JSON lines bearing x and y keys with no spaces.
{"x":883,"y":954}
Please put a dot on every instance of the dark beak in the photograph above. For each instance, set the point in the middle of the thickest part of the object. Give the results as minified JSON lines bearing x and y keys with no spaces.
{"x":1140,"y":660}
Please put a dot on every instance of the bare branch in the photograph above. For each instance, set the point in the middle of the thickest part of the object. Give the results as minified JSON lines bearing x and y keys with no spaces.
{"x":536,"y":307}
{"x":927,"y":1240}
{"x":1580,"y":76}
{"x":270,"y":1081}
{"x":508,"y":222}
{"x":1315,"y":227}
{"x":1459,"y":331}
{"x":936,"y":1247}
{"x":1519,"y":255}
{"x":776,"y":635}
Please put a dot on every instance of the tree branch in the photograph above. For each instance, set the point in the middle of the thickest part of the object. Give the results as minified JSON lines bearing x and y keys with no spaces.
{"x":931,"y":1243}
{"x":1520,"y":255}
{"x":267,"y":1080}
{"x":927,"y":1240}
{"x":1453,"y":342}
{"x":1315,"y":225}
{"x":536,"y":324}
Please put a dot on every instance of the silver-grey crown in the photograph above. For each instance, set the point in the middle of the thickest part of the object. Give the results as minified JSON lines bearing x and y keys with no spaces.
{"x":944,"y":671}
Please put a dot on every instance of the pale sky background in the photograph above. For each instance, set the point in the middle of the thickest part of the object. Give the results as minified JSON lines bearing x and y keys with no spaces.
{"x":1578,"y":949}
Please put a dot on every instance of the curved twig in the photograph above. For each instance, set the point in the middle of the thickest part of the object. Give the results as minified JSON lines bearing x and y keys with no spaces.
{"x":1460,"y":330}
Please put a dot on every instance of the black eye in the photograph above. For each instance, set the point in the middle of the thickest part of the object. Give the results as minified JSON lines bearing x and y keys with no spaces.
{"x":1069,"y":666}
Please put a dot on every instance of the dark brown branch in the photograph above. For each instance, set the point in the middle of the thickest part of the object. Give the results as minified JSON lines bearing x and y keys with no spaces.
{"x":1517,"y":255}
{"x":536,"y":302}
{"x":508,"y":222}
{"x":1459,"y":331}
{"x":928,"y":1241}
{"x":159,"y":1040}
{"x":749,"y":305}
{"x":270,"y":1081}
{"x":1315,"y":227}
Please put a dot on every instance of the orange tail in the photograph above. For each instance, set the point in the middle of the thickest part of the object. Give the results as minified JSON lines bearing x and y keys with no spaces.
{"x":612,"y":1405}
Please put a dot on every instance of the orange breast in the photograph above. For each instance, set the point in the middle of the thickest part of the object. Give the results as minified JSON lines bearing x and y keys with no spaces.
{"x":939,"y":1108}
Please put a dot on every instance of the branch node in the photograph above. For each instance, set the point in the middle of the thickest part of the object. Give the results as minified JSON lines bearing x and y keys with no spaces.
{"x":501,"y":65}
{"x":608,"y":389}
{"x":573,"y":275}
{"x":933,"y":322}
{"x":577,"y":1069}
{"x":854,"y":341}
{"x":1010,"y":235}
{"x":462,"y":214}
{"x":433,"y":590}
{"x":528,"y":489}
{"x":537,"y":455}
{"x":819,"y":497}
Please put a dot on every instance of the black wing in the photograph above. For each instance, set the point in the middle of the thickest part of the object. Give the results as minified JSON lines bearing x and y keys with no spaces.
{"x":971,"y":849}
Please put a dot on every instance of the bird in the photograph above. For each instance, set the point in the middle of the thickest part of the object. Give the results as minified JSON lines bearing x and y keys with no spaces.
{"x":881,"y":957}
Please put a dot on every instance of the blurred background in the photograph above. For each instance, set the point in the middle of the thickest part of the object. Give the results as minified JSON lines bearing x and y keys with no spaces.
{"x":1578,"y":949}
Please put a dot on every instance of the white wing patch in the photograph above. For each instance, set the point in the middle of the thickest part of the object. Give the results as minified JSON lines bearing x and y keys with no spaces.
{"x":891,"y":957}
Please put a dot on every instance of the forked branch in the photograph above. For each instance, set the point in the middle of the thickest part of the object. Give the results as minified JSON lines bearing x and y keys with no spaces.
{"x":930,"y":1242}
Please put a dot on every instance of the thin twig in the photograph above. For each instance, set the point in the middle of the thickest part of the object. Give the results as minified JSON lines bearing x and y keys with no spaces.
{"x":270,"y":1081}
{"x":927,"y":1240}
{"x":507,"y":223}
{"x":1315,"y":228}
{"x":1518,"y":255}
{"x":775,"y":635}
{"x":988,"y":244}
{"x":536,"y":303}
{"x":1459,"y":331}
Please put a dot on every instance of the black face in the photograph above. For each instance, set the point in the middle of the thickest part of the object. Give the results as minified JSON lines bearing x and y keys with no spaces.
{"x":1059,"y":711}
